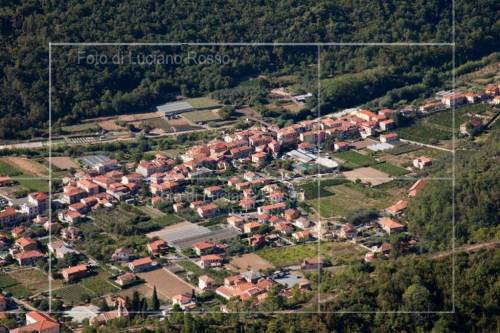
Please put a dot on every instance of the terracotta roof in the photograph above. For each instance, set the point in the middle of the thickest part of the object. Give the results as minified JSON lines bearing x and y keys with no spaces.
{"x":75,"y":269}
{"x":142,"y":261}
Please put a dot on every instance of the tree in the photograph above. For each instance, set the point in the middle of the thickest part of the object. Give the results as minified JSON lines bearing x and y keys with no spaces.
{"x":155,"y":301}
{"x":416,"y":298}
{"x":227,"y":112}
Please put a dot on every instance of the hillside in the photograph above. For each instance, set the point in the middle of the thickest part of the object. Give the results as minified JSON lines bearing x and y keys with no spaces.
{"x":28,"y":26}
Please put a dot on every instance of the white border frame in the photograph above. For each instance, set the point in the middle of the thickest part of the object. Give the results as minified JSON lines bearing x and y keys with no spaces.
{"x":318,"y":46}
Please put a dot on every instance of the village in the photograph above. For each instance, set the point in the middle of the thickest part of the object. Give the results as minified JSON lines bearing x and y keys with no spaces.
{"x":249,"y":219}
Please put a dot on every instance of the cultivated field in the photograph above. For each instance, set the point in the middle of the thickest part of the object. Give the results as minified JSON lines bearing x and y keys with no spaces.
{"x":167,"y":283}
{"x":250,"y":261}
{"x":64,"y":162}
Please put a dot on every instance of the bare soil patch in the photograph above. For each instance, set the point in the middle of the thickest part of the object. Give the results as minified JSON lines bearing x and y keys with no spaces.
{"x":167,"y":283}
{"x":250,"y":261}
{"x":27,"y":166}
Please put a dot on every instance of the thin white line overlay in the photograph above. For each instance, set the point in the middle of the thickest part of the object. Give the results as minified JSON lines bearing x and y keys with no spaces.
{"x":318,"y":46}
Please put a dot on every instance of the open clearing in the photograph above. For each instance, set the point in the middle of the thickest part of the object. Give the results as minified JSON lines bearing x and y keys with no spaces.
{"x":33,"y":280}
{"x":203,"y":102}
{"x":201,"y":116}
{"x":27,"y":166}
{"x":167,"y":283}
{"x":349,"y":197}
{"x":367,"y":175}
{"x":250,"y":261}
{"x":73,"y":294}
{"x":64,"y":162}
{"x":337,"y":253}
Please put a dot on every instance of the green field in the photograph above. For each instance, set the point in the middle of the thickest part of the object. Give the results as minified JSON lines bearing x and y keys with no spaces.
{"x":424,"y":133}
{"x":445,"y":118}
{"x":159,"y":123}
{"x":33,"y":280}
{"x":204,"y":116}
{"x":11,"y":286}
{"x":32,"y":185}
{"x":8,"y":170}
{"x":315,"y":189}
{"x":390,"y":169}
{"x":344,"y":199}
{"x":99,"y":284}
{"x":355,"y":159}
{"x":338,"y":253}
{"x":73,"y":294}
{"x":167,"y":220}
{"x":203,"y":103}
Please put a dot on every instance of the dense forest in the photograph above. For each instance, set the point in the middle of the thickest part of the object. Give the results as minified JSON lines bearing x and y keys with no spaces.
{"x":477,"y":187}
{"x":86,"y":90}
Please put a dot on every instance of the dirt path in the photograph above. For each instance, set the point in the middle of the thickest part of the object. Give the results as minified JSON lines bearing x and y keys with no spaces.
{"x":466,"y":248}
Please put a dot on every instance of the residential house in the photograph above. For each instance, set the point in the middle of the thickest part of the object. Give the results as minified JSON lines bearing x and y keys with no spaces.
{"x":203,"y":248}
{"x":184,"y":300}
{"x":398,"y":208}
{"x":210,"y":260}
{"x":59,"y":249}
{"x":251,"y":227}
{"x":37,"y":322}
{"x":8,"y":216}
{"x":213,"y":191}
{"x":300,"y":236}
{"x":26,"y":244}
{"x":235,"y":221}
{"x":141,"y":264}
{"x":74,"y":273}
{"x":422,"y":162}
{"x":417,"y":187}
{"x":312,"y":263}
{"x":207,"y":211}
{"x":39,"y":200}
{"x":389,"y":137}
{"x":340,"y":146}
{"x":28,"y":258}
{"x":206,"y":282}
{"x":5,"y":181}
{"x":390,"y":226}
{"x":386,"y":125}
{"x":348,"y":231}
{"x":126,"y":279}
{"x":122,"y":254}
{"x":272,"y":209}
{"x":156,"y":247}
